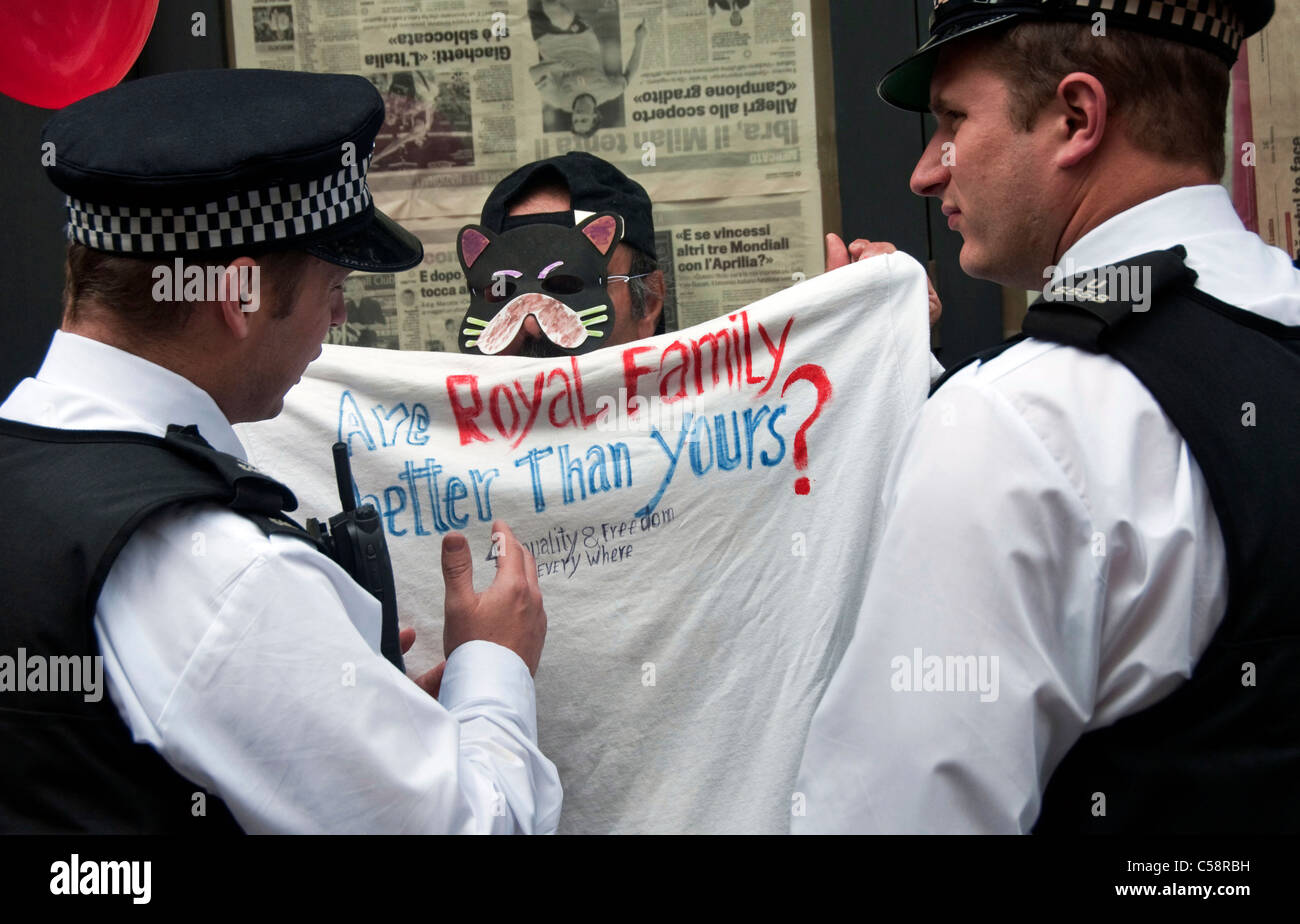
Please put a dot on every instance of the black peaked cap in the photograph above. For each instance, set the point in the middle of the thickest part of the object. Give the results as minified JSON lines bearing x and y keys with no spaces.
{"x":595,"y":185}
{"x":1218,"y":26}
{"x":203,"y":162}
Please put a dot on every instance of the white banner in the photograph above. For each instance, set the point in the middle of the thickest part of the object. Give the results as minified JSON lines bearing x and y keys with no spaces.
{"x":703,"y":507}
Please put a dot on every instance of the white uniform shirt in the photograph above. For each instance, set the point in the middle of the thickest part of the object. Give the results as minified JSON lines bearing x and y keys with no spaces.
{"x":251,"y":662}
{"x":1044,"y":512}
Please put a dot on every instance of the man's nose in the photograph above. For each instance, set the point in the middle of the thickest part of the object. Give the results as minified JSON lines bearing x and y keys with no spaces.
{"x":528,"y":331}
{"x":930,"y":175}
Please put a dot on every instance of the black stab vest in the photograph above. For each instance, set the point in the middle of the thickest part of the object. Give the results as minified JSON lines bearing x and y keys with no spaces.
{"x":66,"y":764}
{"x":1221,"y":753}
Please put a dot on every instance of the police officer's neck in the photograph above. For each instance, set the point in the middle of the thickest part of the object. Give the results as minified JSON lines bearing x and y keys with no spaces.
{"x":187,"y":352}
{"x":1123,"y":178}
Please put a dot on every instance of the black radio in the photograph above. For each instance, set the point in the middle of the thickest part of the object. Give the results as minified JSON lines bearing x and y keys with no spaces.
{"x":355,"y":540}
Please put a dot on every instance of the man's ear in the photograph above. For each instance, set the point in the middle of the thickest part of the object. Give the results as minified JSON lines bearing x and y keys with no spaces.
{"x":1081,"y":109}
{"x":240,"y":295}
{"x":654,"y":306}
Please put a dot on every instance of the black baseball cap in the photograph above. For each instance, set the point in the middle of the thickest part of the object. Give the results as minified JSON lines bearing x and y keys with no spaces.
{"x":1218,"y":26}
{"x":594,"y":185}
{"x":214,"y":162}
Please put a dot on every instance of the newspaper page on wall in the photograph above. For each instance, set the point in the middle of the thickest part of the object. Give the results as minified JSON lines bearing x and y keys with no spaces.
{"x":709,"y":104}
{"x":1273,"y":155}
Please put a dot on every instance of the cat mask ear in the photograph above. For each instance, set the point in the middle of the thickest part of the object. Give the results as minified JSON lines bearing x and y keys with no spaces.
{"x":470,"y":244}
{"x":604,"y":230}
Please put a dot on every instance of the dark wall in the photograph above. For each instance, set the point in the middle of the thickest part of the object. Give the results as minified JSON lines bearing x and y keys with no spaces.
{"x":878,"y":146}
{"x":31,"y":245}
{"x":31,"y":234}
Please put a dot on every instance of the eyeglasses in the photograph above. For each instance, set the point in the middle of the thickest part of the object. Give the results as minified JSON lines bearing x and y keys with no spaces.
{"x":626,"y":278}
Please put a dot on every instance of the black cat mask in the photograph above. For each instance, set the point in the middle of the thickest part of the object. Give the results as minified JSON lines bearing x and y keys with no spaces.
{"x":554,"y":273}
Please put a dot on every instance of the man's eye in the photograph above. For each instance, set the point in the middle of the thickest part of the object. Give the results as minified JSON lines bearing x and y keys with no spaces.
{"x":945,"y":120}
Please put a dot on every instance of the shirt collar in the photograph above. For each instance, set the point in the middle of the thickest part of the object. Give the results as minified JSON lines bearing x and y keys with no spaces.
{"x":1176,"y":217}
{"x":137,"y":388}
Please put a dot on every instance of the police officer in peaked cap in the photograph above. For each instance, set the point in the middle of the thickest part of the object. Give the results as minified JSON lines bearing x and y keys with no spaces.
{"x":212,"y":217}
{"x":1085,"y":613}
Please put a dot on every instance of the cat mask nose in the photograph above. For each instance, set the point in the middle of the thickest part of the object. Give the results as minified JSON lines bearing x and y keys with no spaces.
{"x":561,"y":324}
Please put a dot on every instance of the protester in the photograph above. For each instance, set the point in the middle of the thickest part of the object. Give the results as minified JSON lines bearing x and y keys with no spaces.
{"x":560,"y":191}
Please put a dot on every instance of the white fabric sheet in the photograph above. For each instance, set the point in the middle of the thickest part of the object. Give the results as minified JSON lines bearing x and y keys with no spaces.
{"x":697,"y":607}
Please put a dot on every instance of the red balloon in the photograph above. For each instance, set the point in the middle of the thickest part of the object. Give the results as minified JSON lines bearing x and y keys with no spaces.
{"x":54,"y":52}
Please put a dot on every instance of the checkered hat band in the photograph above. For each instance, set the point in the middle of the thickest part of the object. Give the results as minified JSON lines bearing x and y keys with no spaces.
{"x":1210,"y":19}
{"x":243,"y":219}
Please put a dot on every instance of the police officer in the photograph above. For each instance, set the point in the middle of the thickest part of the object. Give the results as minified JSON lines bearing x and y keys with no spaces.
{"x":213,"y":217}
{"x":1083,"y":613}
